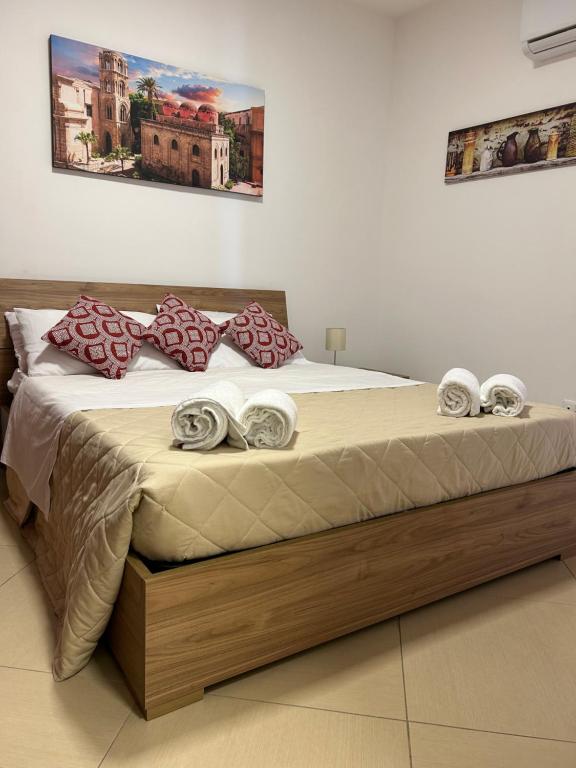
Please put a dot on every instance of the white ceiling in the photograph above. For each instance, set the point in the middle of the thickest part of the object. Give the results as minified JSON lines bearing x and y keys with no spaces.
{"x":393,"y":7}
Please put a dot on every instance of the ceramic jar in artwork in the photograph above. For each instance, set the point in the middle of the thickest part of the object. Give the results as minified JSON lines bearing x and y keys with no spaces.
{"x":532,"y":146}
{"x":486,"y":160}
{"x":508,"y":151}
{"x":469,"y":149}
{"x":452,"y":163}
{"x":571,"y":147}
{"x":553,"y":142}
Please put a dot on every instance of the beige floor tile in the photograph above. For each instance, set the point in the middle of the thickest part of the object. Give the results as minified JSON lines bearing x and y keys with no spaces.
{"x":486,"y":662}
{"x":437,"y":747}
{"x":9,"y":533}
{"x":26,"y":623}
{"x":12,"y":560}
{"x":60,"y":725}
{"x":361,"y":674}
{"x":550,"y":582}
{"x":228,"y":733}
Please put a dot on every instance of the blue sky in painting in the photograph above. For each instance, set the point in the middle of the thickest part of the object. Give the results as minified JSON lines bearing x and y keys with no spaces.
{"x":75,"y":59}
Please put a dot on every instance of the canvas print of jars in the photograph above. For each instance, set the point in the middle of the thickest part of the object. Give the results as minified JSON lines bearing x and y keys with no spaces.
{"x":553,"y":141}
{"x":535,"y":140}
{"x":486,"y":160}
{"x":452,"y":163}
{"x":469,"y":149}
{"x":532,"y":146}
{"x":508,"y":151}
{"x":571,"y":146}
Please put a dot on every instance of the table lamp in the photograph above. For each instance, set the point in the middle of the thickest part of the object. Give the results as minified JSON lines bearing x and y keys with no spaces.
{"x":335,"y":340}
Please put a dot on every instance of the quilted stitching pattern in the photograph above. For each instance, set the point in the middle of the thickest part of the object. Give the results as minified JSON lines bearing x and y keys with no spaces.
{"x":357,"y":455}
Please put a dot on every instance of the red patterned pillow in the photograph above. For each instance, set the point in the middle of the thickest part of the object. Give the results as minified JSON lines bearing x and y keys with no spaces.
{"x":170,"y":301}
{"x":99,"y":335}
{"x":183,"y":333}
{"x":262,"y":337}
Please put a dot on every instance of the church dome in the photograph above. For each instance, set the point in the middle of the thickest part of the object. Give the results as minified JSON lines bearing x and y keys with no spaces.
{"x":207,"y":108}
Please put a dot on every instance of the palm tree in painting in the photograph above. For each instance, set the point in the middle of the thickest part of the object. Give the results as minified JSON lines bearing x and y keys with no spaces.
{"x":119,"y":153}
{"x":87,"y":138}
{"x":148,"y":86}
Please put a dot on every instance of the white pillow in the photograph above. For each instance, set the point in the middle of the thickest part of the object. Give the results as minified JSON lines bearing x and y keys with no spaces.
{"x":148,"y":358}
{"x":17,"y":340}
{"x":218,"y":317}
{"x":43,"y":359}
{"x":296,"y":359}
{"x":226,"y":354}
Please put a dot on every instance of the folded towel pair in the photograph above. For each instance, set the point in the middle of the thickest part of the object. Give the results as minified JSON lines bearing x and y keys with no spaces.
{"x":221,"y":412}
{"x":503,"y":395}
{"x":460,"y":394}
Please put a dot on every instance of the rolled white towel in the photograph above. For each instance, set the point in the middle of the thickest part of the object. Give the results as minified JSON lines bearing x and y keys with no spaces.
{"x":503,"y":395}
{"x":459,"y":394}
{"x":204,"y":421}
{"x":269,"y":418}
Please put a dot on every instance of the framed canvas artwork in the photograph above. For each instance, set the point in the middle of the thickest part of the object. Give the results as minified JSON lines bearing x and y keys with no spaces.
{"x":117,"y":114}
{"x":530,"y":142}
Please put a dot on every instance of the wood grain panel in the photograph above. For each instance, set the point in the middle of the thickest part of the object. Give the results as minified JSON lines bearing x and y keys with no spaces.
{"x":59,"y":294}
{"x":8,"y":365}
{"x":126,"y":631}
{"x":209,"y":621}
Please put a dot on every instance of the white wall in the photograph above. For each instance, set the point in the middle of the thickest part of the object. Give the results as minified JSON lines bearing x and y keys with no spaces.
{"x":481,"y":274}
{"x":325,"y":66}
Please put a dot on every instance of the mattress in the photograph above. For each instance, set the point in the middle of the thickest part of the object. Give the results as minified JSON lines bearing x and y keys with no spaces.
{"x":357,"y":455}
{"x":43,"y":403}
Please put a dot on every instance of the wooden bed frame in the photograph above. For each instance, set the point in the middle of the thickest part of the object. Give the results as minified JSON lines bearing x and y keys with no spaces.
{"x":61,"y":294}
{"x":177,"y":631}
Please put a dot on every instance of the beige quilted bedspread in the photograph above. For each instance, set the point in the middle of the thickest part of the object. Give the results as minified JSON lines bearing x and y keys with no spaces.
{"x":357,"y":455}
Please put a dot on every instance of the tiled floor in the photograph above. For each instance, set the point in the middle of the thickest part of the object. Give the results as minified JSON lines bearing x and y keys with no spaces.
{"x":486,"y":679}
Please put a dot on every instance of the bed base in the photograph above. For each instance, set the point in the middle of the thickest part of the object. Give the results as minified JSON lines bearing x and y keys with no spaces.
{"x":175,"y":632}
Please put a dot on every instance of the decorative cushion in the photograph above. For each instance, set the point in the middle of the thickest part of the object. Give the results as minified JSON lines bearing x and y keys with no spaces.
{"x":261,"y":337}
{"x":183,"y":333}
{"x":99,"y":335}
{"x":39,"y":358}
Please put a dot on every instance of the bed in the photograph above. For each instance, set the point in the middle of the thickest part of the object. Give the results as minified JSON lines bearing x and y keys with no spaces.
{"x":378,"y":507}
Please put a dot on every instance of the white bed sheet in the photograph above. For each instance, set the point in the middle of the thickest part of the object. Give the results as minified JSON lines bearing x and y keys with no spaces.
{"x":42,"y":403}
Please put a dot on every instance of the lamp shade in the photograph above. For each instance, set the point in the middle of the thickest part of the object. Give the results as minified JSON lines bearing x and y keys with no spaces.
{"x":335,"y":339}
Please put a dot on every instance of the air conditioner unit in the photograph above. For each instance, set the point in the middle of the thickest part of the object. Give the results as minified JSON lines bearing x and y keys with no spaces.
{"x":548,"y":29}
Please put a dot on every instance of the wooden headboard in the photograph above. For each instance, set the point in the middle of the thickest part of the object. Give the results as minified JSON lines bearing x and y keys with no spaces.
{"x":60,"y":294}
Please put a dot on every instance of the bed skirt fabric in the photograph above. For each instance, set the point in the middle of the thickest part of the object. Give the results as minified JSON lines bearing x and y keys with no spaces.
{"x":357,"y":455}
{"x":17,"y":503}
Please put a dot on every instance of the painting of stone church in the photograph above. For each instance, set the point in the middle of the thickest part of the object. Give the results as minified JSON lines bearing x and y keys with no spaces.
{"x":121,"y":115}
